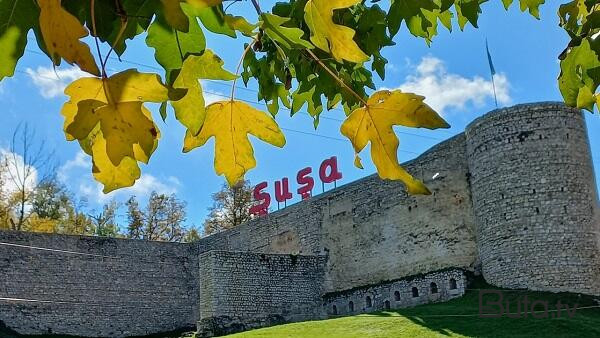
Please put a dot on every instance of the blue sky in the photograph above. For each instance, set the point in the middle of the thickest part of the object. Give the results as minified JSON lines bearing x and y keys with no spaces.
{"x":453,"y":74}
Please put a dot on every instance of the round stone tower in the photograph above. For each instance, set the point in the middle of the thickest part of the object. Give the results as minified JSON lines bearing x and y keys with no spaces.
{"x":535,"y":199}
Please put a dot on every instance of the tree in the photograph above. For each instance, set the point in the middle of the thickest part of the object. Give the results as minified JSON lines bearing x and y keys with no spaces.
{"x":231,"y":207}
{"x":162,"y":220}
{"x":314,"y":53}
{"x":48,"y":199}
{"x":27,"y":165}
{"x":104,"y":222}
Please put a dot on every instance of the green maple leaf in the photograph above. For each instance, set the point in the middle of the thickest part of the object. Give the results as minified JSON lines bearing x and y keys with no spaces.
{"x":412,"y":13}
{"x":532,"y":5}
{"x":190,"y":110}
{"x":171,"y":46}
{"x":213,"y":19}
{"x":16,"y":19}
{"x":579,"y":77}
{"x":468,"y":11}
{"x":289,"y":38}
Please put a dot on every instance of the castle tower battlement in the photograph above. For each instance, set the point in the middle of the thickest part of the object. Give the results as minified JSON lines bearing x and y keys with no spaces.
{"x":534,"y":198}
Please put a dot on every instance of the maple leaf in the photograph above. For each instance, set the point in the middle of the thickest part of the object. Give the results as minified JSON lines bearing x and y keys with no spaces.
{"x":61,"y":32}
{"x":174,"y":15}
{"x":240,"y":24}
{"x":230,"y":122}
{"x":373,"y":123}
{"x":288,"y":37}
{"x":114,"y":107}
{"x":190,"y":110}
{"x":578,"y":79}
{"x":110,"y":175}
{"x":171,"y":47}
{"x":16,"y":19}
{"x":413,"y":13}
{"x":328,"y":36}
{"x":532,"y":5}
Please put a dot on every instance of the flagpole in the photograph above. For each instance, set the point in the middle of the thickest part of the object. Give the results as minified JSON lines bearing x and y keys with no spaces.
{"x":494,"y":87}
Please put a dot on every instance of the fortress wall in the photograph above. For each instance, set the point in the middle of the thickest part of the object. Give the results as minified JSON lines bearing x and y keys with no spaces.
{"x":294,"y":230}
{"x":115,"y":288}
{"x":534,"y":198}
{"x":371,"y":229}
{"x":242,"y":290}
{"x":375,"y":232}
{"x":398,"y":294}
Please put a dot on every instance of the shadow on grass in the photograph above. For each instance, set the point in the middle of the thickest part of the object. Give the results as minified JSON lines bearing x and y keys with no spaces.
{"x":461,"y":315}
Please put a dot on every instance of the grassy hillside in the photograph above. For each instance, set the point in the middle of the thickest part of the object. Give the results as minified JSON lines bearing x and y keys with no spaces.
{"x":456,"y":318}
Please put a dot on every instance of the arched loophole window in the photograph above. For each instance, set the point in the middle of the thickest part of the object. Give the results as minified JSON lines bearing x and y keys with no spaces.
{"x":397,"y":296}
{"x":452,"y":284}
{"x":415,"y":292}
{"x":351,"y":306}
{"x":537,"y":210}
{"x":386,"y":305}
{"x":368,"y":301}
{"x":334,"y":310}
{"x":434,"y":288}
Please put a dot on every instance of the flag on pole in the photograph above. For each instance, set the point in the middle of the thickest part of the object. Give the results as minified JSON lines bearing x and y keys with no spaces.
{"x":492,"y":70}
{"x":487,"y":49}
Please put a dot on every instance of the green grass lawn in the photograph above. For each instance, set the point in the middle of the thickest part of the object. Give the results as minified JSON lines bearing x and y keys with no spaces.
{"x":432,"y":320}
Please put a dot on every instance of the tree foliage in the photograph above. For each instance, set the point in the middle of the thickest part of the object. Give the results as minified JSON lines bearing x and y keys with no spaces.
{"x":162,"y":219}
{"x":314,"y":53}
{"x":231,"y":207}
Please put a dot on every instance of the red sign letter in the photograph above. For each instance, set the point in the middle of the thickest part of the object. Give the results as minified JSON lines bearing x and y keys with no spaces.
{"x":265,"y":200}
{"x":306,"y":182}
{"x":334,"y":174}
{"x":282,"y":190}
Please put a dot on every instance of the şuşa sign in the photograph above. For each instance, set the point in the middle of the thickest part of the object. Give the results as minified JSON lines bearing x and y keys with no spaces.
{"x":328,"y":173}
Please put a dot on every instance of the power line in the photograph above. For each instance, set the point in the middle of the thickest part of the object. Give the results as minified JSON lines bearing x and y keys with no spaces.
{"x":228,"y":84}
{"x":287,"y":129}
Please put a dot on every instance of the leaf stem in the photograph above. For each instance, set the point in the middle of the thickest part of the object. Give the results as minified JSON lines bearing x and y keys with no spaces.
{"x":256,"y":7}
{"x":336,"y":77}
{"x":92,"y":14}
{"x":237,"y":70}
{"x":119,"y":35}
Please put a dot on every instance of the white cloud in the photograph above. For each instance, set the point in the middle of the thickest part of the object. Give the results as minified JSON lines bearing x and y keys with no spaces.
{"x":76,"y":173}
{"x":17,"y":174}
{"x":142,"y":188}
{"x":444,"y":90}
{"x":81,"y":160}
{"x":211,"y":96}
{"x":52,"y":82}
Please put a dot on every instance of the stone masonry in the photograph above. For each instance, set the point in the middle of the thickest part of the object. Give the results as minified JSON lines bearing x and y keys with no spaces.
{"x":513,"y":198}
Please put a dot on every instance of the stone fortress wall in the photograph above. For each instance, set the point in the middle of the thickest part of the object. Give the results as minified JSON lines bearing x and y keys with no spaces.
{"x":535,"y":199}
{"x":433,"y":287}
{"x":240,"y":290}
{"x":93,"y":286}
{"x":513,"y":197}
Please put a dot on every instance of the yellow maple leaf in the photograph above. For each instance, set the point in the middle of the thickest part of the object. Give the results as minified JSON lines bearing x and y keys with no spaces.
{"x":175,"y":15}
{"x":373,"y":123}
{"x":230,"y":122}
{"x":108,"y":118}
{"x":328,"y":36}
{"x":61,"y":32}
{"x":111,"y":176}
{"x":189,"y":110}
